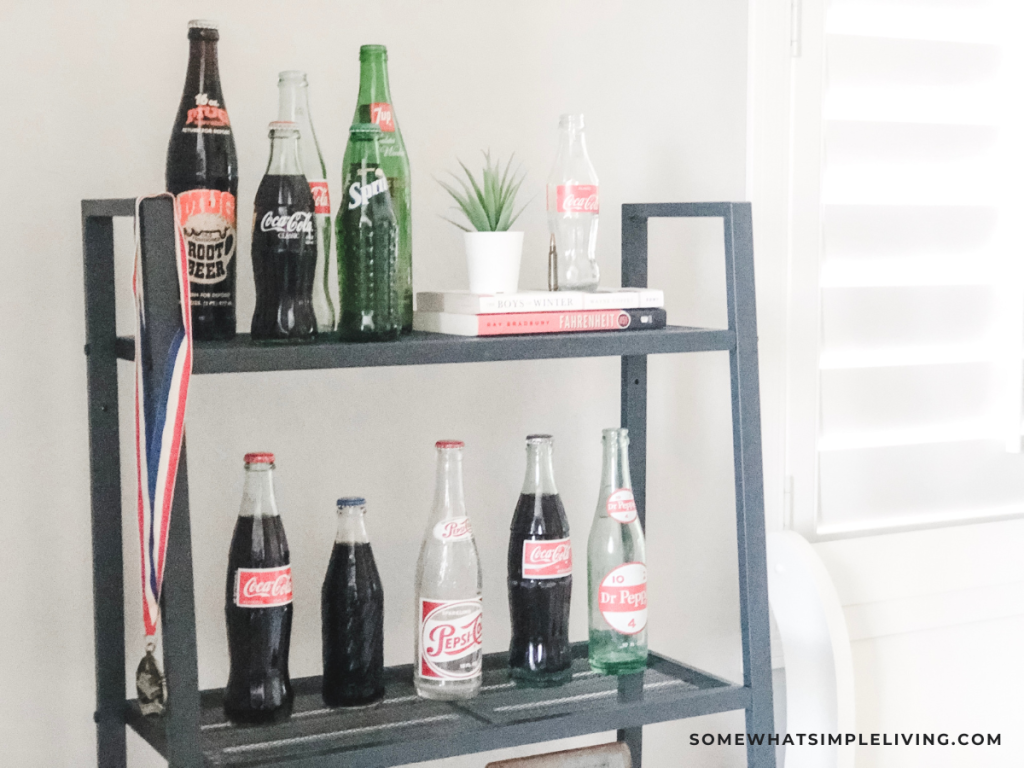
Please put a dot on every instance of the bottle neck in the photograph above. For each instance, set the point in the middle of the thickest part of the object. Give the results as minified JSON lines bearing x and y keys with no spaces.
{"x":366,"y":153}
{"x":203,"y":75}
{"x":373,"y":79}
{"x":540,"y":472}
{"x":571,"y":138}
{"x":293,"y":100}
{"x":448,"y":499}
{"x":258,"y":492}
{"x":284,"y":155}
{"x":352,"y":526}
{"x":615,"y":464}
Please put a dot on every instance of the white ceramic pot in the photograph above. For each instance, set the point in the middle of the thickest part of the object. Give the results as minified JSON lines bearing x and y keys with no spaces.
{"x":493,"y":259}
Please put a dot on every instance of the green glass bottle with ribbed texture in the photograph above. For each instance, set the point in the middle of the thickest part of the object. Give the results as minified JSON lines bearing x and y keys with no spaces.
{"x":374,"y":106}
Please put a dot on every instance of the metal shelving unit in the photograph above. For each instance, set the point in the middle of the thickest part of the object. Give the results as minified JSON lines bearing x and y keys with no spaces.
{"x":406,"y":729}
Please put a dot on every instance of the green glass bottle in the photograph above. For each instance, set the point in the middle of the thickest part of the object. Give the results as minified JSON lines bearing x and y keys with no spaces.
{"x":374,"y":106}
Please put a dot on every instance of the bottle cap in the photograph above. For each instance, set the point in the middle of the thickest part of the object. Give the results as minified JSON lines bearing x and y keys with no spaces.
{"x":364,"y":128}
{"x":449,"y":444}
{"x":259,"y":458}
{"x":351,"y":501}
{"x":203,"y":24}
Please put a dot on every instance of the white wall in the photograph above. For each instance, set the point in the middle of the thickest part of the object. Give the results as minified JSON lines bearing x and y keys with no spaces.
{"x":90,"y":90}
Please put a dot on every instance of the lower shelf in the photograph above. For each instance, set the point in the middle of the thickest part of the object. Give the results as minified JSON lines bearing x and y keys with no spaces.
{"x":407,"y":729}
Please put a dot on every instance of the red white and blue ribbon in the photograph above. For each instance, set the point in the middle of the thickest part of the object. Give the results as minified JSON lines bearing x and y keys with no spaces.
{"x":159,"y":423}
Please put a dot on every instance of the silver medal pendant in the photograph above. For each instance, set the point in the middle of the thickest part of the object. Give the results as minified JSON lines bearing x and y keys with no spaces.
{"x":149,"y":683}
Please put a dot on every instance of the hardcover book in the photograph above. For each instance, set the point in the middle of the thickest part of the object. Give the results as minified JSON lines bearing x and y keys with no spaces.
{"x":539,"y":322}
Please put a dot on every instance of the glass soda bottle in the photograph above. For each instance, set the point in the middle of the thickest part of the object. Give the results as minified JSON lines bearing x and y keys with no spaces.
{"x":540,"y":575}
{"x":617,"y":568}
{"x":202,"y":174}
{"x":352,"y":612}
{"x":284,"y":244}
{"x":449,"y":591}
{"x":374,"y":105}
{"x":293,"y":106}
{"x":367,"y":243}
{"x":259,"y":603}
{"x":573,"y":206}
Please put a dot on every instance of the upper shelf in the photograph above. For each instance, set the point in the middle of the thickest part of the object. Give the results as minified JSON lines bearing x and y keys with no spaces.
{"x":243,"y":355}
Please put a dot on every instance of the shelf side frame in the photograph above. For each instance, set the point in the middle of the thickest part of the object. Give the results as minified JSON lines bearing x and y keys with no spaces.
{"x":746,"y":426}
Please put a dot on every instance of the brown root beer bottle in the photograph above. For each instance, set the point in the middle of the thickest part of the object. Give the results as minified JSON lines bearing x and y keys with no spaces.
{"x":202,"y":173}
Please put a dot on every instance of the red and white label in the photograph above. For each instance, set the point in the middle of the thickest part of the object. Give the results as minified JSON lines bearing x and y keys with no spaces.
{"x":577,"y":198}
{"x":622,"y":506}
{"x":208,"y":226}
{"x":380,"y":113}
{"x":453,"y":529}
{"x":321,"y":196}
{"x":451,"y":638}
{"x":263,"y":587}
{"x":623,"y":598}
{"x":547,"y":559}
{"x":207,"y":112}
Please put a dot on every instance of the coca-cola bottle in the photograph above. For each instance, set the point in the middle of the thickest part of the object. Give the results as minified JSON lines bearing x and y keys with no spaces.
{"x":573,"y":205}
{"x":374,"y":105}
{"x":539,"y":575}
{"x":449,"y":591}
{"x":293,"y":106}
{"x":259,"y":603}
{"x":352,"y":612}
{"x":202,"y":172}
{"x":617,"y":568}
{"x":367,"y":243}
{"x":283,"y":244}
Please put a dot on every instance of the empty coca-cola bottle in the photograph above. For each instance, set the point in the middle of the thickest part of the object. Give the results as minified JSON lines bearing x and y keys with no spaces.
{"x":259,"y":603}
{"x":573,"y":206}
{"x":449,"y":591}
{"x":539,"y":575}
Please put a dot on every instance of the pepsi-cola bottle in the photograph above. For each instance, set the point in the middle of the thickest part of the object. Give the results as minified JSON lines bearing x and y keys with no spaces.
{"x":202,"y":173}
{"x":352,"y":612}
{"x":258,"y":607}
{"x":284,"y":248}
{"x":539,"y":575}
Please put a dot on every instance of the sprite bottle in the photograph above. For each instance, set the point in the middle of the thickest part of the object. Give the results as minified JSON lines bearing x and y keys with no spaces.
{"x":374,"y":106}
{"x":367,"y":236}
{"x":617,"y":568}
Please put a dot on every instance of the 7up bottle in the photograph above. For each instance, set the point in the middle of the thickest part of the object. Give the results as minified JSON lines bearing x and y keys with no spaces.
{"x":617,"y":568}
{"x":374,"y":106}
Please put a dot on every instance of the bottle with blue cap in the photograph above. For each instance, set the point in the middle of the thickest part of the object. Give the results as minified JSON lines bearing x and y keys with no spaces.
{"x":352,"y":611}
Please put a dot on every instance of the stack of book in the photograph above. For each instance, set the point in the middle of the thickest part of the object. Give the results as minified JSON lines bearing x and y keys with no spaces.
{"x":462,"y":313}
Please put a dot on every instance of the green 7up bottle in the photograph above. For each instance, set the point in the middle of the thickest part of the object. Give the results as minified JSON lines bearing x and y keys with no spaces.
{"x":617,"y":568}
{"x":374,"y":106}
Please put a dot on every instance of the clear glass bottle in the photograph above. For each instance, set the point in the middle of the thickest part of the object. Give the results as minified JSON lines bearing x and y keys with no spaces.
{"x":293,"y":106}
{"x":352,"y":613}
{"x":617,"y":568}
{"x":449,"y":591}
{"x":573,"y":206}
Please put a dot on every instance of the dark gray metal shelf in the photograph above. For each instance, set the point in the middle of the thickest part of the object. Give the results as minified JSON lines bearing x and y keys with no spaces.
{"x":192,"y":732}
{"x":405,"y":728}
{"x":241,"y":354}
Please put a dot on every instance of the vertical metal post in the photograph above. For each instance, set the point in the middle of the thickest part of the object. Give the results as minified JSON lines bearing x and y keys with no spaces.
{"x":633,"y":416}
{"x":105,"y":489}
{"x":750,"y":525}
{"x":178,"y":613}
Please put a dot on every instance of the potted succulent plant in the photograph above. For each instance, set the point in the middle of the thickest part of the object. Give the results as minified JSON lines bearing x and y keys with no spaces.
{"x":493,"y":253}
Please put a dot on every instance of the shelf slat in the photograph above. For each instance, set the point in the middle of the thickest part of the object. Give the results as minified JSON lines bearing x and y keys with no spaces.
{"x":241,"y":354}
{"x":406,"y":728}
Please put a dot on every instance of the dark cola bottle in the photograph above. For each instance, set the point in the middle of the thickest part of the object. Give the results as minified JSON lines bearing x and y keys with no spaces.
{"x":540,"y":575}
{"x":259,"y":603}
{"x":202,"y":173}
{"x":352,"y":612}
{"x":284,"y":248}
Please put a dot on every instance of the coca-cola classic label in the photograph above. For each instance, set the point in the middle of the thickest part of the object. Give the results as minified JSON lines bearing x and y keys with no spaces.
{"x":622,"y":506}
{"x":289,"y":227}
{"x":622,"y":598}
{"x":208,"y":226}
{"x":547,"y":559}
{"x":453,"y":529}
{"x":380,"y":113}
{"x":451,"y":638}
{"x":321,"y":197}
{"x":263,"y":587}
{"x":577,"y":198}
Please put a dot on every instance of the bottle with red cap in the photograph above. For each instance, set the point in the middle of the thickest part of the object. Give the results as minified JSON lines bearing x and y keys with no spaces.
{"x":258,"y":607}
{"x":449,"y":591}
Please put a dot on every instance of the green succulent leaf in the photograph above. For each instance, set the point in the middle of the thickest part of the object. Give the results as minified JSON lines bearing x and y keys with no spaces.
{"x":488,"y":203}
